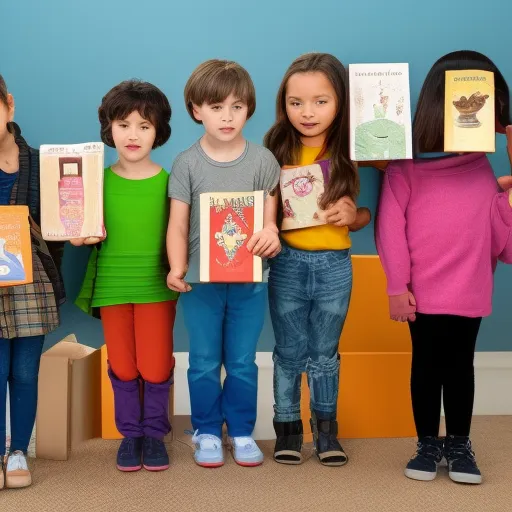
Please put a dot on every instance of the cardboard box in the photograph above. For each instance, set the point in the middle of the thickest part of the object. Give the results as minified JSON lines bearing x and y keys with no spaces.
{"x":69,"y":397}
{"x":108,"y":422}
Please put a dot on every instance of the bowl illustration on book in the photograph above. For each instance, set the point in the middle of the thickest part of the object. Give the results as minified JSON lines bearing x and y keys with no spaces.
{"x":468,"y":108}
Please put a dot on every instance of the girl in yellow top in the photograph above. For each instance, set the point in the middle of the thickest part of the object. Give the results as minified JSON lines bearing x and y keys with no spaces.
{"x":311,"y":279}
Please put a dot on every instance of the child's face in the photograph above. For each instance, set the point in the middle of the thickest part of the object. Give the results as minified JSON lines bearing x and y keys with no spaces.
{"x":311,"y":105}
{"x":6,"y":116}
{"x":133,"y":137}
{"x":223,"y":121}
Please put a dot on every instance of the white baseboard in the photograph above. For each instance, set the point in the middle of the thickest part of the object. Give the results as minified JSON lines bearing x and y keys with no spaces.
{"x":493,"y":376}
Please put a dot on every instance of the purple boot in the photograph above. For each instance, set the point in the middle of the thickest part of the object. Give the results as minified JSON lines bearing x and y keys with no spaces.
{"x":127,"y":413}
{"x":156,"y":425}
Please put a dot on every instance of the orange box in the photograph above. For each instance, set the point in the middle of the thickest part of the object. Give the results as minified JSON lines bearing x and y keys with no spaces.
{"x":374,"y":395}
{"x":108,"y":422}
{"x":374,"y":398}
{"x":368,"y":327}
{"x":15,"y":246}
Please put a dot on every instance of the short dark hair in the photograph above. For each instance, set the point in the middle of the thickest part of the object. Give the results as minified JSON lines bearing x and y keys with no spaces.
{"x":214,"y":80}
{"x":148,"y":100}
{"x":428,"y":125}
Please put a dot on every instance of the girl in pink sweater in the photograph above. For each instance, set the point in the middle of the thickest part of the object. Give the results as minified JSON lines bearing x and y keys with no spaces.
{"x":442,"y":226}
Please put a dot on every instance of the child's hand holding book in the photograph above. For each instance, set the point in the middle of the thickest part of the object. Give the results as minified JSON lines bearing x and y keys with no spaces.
{"x":265,"y":243}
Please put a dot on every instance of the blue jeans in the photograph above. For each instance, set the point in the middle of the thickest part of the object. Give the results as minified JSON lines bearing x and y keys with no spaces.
{"x":19,"y":366}
{"x":309,"y":294}
{"x":224,"y":322}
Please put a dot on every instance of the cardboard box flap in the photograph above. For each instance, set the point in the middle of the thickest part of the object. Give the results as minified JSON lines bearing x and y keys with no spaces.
{"x":69,"y":350}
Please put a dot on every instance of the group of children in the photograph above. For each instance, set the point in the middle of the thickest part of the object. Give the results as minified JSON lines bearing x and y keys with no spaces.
{"x":442,"y":225}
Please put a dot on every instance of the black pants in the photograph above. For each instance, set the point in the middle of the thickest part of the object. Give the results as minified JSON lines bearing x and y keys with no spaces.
{"x":443,"y":349}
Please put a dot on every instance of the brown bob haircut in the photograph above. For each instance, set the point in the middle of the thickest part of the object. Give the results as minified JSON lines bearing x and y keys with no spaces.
{"x":214,"y":80}
{"x":148,"y":100}
{"x":428,"y":125}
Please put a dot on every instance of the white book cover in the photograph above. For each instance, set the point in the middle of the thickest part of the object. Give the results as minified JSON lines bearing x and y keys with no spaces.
{"x":71,"y":178}
{"x":380,"y":112}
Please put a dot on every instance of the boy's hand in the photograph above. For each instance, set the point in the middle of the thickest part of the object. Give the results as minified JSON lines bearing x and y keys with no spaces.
{"x":342,"y":213}
{"x":265,"y":243}
{"x":176,"y":282}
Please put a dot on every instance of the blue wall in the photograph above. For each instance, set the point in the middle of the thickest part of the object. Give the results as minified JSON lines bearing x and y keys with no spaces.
{"x":59,"y":57}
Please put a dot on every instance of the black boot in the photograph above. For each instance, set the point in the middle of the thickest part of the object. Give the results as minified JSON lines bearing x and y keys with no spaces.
{"x":289,"y":442}
{"x":328,"y":448}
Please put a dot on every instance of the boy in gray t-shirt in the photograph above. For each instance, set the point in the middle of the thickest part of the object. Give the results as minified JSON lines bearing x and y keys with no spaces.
{"x":224,"y":321}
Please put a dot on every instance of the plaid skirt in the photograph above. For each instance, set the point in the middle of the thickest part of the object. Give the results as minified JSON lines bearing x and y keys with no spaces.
{"x":29,"y":309}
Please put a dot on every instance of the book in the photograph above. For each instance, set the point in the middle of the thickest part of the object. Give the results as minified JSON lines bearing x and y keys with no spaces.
{"x":227,"y":222}
{"x":71,"y":178}
{"x":301,"y":190}
{"x":15,"y":246}
{"x":380,"y":112}
{"x":469,"y":117}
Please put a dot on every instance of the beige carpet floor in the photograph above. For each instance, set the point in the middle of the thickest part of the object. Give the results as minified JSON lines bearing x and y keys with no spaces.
{"x":372,"y":481}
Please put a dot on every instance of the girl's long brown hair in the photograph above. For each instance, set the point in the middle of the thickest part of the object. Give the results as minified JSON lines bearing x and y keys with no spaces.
{"x":285,"y":141}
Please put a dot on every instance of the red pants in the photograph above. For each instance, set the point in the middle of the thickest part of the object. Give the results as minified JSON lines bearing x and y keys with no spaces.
{"x":139,"y":340}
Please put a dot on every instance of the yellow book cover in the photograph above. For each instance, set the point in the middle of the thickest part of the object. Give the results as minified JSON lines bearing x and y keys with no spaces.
{"x":469,"y":118}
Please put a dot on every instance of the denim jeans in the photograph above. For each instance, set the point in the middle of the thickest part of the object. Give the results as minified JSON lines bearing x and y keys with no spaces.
{"x":19,"y":366}
{"x":309,"y":294}
{"x":224,"y":322}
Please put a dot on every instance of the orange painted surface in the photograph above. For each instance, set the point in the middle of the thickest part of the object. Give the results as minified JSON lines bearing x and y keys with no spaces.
{"x":374,"y":397}
{"x":108,"y":424}
{"x":368,"y":327}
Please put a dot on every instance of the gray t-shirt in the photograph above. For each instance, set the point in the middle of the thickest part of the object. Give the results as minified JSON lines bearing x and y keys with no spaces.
{"x":194,"y":173}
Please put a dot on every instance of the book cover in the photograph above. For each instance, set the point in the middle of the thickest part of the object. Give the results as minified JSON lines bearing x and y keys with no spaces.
{"x":469,"y":118}
{"x":71,"y":190}
{"x":227,"y":222}
{"x":301,"y":190}
{"x":380,"y":112}
{"x":15,"y":246}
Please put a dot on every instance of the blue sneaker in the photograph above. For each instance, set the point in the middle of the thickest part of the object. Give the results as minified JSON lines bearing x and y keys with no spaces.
{"x":246,"y":451}
{"x":129,"y":455}
{"x":462,"y":466}
{"x":154,"y":454}
{"x":423,"y":465}
{"x":208,"y":452}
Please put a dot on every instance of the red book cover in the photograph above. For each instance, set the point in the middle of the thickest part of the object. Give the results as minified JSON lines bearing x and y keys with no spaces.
{"x":228,"y":220}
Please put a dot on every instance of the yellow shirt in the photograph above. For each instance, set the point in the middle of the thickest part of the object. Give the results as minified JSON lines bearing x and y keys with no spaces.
{"x":317,"y":238}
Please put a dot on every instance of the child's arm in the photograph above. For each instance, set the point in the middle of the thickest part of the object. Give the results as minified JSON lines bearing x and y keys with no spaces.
{"x":345,"y":213}
{"x":265,"y":243}
{"x":363,"y":218}
{"x":177,"y":245}
{"x":501,"y":213}
{"x":392,"y":246}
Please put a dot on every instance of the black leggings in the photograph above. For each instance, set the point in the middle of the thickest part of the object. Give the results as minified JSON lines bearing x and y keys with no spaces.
{"x":443,"y":349}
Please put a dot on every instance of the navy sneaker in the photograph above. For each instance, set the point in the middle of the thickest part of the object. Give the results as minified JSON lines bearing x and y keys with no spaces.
{"x":423,"y":465}
{"x":129,"y":454}
{"x":154,"y":454}
{"x":462,"y":466}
